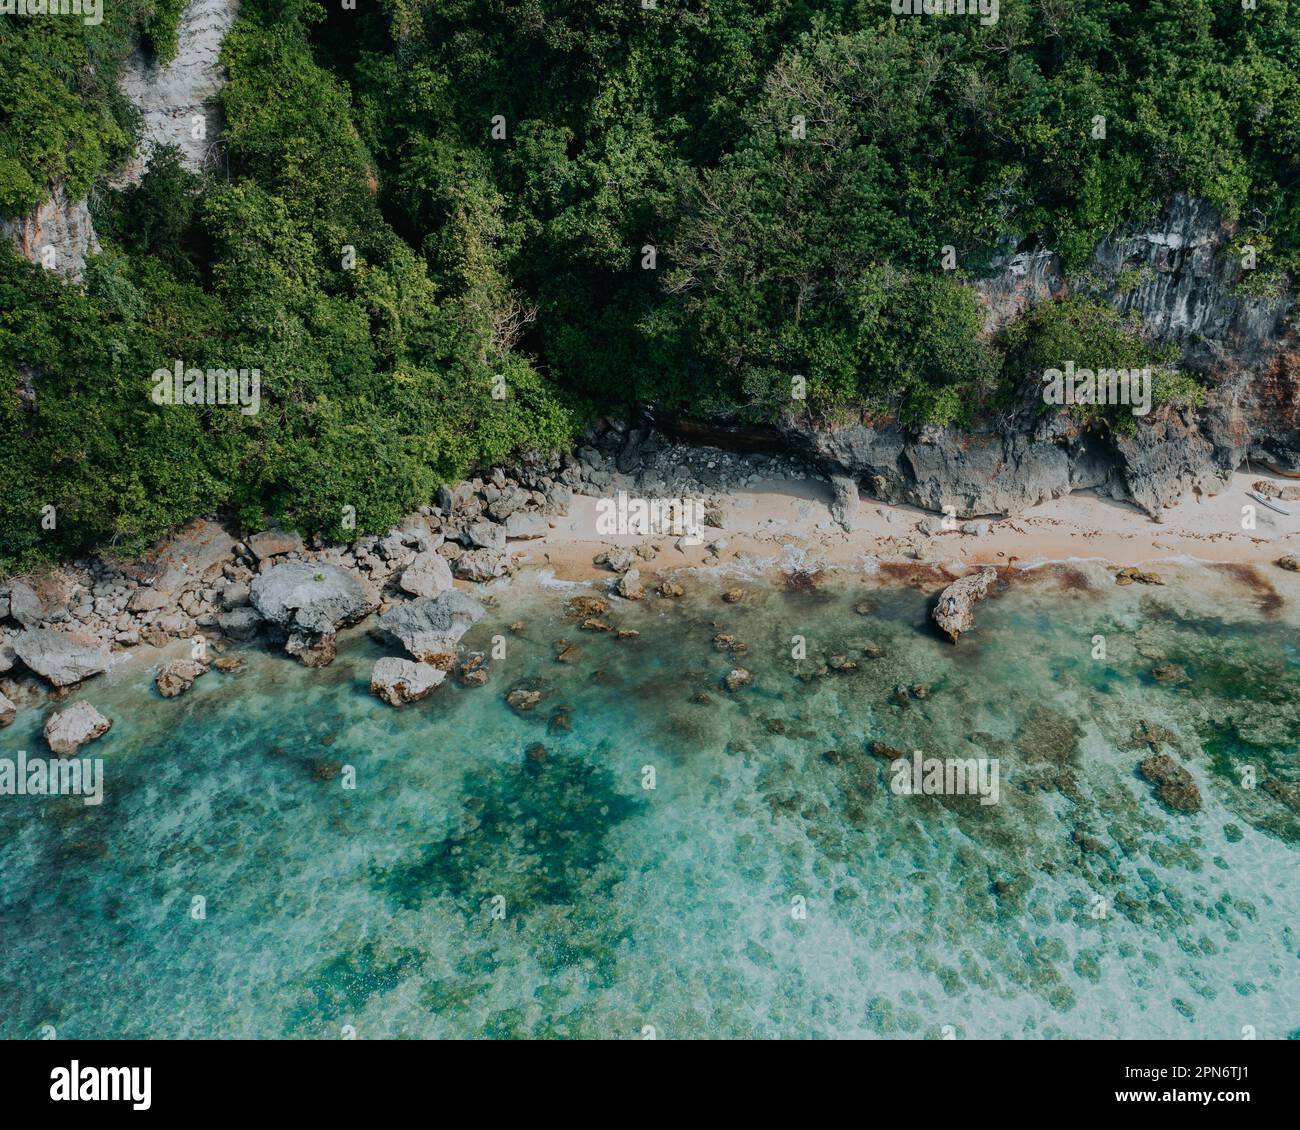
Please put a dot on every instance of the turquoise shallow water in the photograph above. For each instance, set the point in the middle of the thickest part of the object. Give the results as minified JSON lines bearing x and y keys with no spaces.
{"x":770,"y":884}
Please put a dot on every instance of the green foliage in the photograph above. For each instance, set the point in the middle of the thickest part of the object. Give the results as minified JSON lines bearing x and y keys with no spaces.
{"x":654,"y":223}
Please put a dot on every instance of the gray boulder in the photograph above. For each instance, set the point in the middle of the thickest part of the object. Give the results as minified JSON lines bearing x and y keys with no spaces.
{"x":24,"y":605}
{"x":521,"y":525}
{"x":274,"y":543}
{"x":428,"y":575}
{"x":953,"y":612}
{"x":239,"y":623}
{"x":63,"y":658}
{"x":399,"y":681}
{"x":481,"y":565}
{"x":844,"y":505}
{"x":66,"y":731}
{"x":484,"y":535}
{"x":428,"y":628}
{"x":8,"y":711}
{"x":310,"y":601}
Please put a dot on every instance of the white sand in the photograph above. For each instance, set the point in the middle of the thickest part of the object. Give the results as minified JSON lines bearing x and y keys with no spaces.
{"x":775,"y":519}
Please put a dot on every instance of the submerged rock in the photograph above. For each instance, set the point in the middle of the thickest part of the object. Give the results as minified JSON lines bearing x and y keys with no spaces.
{"x":1131,"y":576}
{"x":523,"y":699}
{"x":177,"y":676}
{"x":584,"y":606}
{"x":1174,"y":785}
{"x":399,"y":681}
{"x":68,"y":730}
{"x":736,"y":678}
{"x":64,"y":658}
{"x":953,"y":612}
{"x":8,"y":711}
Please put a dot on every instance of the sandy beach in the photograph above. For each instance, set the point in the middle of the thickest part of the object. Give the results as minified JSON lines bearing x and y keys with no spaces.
{"x":789,"y":522}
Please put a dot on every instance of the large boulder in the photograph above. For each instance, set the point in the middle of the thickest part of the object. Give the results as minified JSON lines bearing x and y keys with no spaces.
{"x":428,"y":575}
{"x":177,"y":676}
{"x":146,"y":600}
{"x":484,"y":535}
{"x":527,"y":525}
{"x":953,"y":612}
{"x":428,"y":628}
{"x":66,"y":731}
{"x":239,"y":623}
{"x":310,"y":601}
{"x":24,"y":605}
{"x":63,"y":658}
{"x":399,"y":681}
{"x":481,"y":565}
{"x":844,"y":504}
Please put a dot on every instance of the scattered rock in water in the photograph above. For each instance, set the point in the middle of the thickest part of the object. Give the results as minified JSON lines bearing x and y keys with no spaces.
{"x":63,"y":658}
{"x":523,"y":698}
{"x":774,"y":725}
{"x":1152,"y":736}
{"x":536,"y":753}
{"x":1130,"y":575}
{"x":560,"y":721}
{"x":671,"y":589}
{"x":733,"y":596}
{"x":833,"y":757}
{"x":842,"y":663}
{"x":953,"y":612}
{"x":888,"y":752}
{"x":873,"y":651}
{"x":583,"y":607}
{"x":628,"y":633}
{"x":1290,"y":562}
{"x":227,"y":663}
{"x":326,"y":770}
{"x":1173,"y":784}
{"x":68,"y":730}
{"x":701,"y":699}
{"x":921,"y":690}
{"x":473,"y":672}
{"x":176,"y":676}
{"x":400,"y":681}
{"x":8,"y":711}
{"x":629,"y":585}
{"x":1170,"y":674}
{"x":596,"y":624}
{"x":565,"y":652}
{"x":865,"y":607}
{"x":900,"y":697}
{"x":518,"y":626}
{"x":736,"y":678}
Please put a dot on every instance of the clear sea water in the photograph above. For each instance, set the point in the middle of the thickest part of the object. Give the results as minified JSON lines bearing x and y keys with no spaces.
{"x":770,"y":885}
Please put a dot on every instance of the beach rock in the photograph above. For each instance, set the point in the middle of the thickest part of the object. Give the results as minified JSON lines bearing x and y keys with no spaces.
{"x":399,"y":681}
{"x":8,"y":711}
{"x":473,"y":672}
{"x":481,"y":565}
{"x":24,"y":605}
{"x":1173,"y":784}
{"x":484,"y":535}
{"x":68,"y":730}
{"x":845,"y":501}
{"x":311,"y":601}
{"x":953,"y":612}
{"x":1131,"y":576}
{"x":733,"y":596}
{"x":511,"y":500}
{"x":428,"y":628}
{"x":274,"y":543}
{"x":1290,"y":562}
{"x":239,"y":623}
{"x":63,"y":658}
{"x":146,"y":600}
{"x":177,"y":676}
{"x":671,"y":589}
{"x":736,"y":678}
{"x":617,"y":560}
{"x":527,"y":526}
{"x":427,"y":575}
{"x":629,"y":585}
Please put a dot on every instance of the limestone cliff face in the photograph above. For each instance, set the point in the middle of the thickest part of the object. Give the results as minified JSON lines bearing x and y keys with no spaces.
{"x":178,"y":102}
{"x":58,"y":234}
{"x":172,"y":101}
{"x":1178,"y":278}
